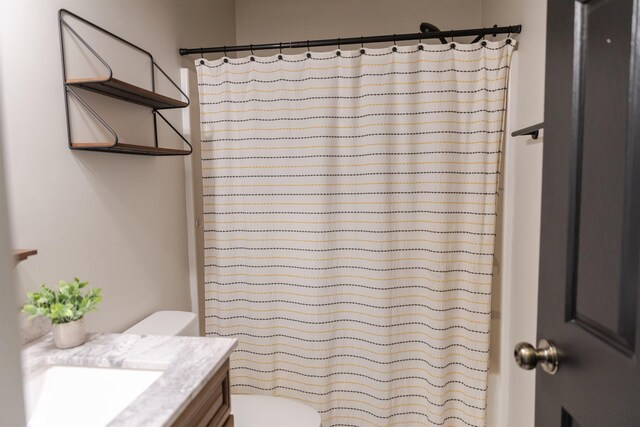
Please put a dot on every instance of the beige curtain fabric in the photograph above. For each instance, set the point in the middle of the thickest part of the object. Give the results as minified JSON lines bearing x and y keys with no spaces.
{"x":350,"y":211}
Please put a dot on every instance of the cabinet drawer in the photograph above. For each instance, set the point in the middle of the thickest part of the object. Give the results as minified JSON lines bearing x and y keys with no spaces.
{"x":212,"y":406}
{"x":229,"y":422}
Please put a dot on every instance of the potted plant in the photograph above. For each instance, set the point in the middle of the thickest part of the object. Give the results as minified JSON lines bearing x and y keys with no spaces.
{"x":66,"y":309}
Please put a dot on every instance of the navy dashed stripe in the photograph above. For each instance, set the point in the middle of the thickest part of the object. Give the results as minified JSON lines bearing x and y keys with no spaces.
{"x":355,"y":285}
{"x":365,"y":95}
{"x":338,"y":77}
{"x":362,"y":116}
{"x":323,"y":136}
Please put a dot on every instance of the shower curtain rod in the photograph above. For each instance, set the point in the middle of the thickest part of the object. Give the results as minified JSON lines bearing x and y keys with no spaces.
{"x":427,"y":31}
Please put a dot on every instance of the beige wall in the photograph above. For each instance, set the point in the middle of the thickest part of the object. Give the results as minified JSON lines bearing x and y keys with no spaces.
{"x":259,"y":21}
{"x":116,"y":220}
{"x":528,"y":106}
{"x":11,"y":405}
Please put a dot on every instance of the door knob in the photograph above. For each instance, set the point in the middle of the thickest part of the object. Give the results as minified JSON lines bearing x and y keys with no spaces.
{"x":528,"y":357}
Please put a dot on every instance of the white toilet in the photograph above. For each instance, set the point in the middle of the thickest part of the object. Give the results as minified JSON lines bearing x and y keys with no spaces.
{"x":248,"y":410}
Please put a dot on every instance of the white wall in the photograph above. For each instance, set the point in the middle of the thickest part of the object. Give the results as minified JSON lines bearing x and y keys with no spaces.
{"x":116,"y":220}
{"x":513,"y":402}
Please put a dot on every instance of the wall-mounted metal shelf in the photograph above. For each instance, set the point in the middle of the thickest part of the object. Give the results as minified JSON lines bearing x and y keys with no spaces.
{"x":127,"y":92}
{"x":116,"y":146}
{"x":533,"y":131}
{"x":115,"y":88}
{"x":146,"y":150}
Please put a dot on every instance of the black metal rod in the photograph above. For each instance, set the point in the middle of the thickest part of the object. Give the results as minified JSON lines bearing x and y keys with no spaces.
{"x":511,"y":29}
{"x":426,"y":27}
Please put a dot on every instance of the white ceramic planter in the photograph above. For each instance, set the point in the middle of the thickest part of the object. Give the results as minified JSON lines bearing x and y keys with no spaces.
{"x":67,"y":335}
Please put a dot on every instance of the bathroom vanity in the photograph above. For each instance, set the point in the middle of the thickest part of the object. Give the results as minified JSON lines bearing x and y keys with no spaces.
{"x":129,"y":380}
{"x":211,"y":407}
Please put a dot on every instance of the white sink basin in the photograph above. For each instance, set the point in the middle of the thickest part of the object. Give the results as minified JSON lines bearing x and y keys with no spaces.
{"x":73,"y":396}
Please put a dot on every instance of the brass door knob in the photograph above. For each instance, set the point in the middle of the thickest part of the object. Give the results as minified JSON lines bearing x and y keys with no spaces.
{"x":528,"y":357}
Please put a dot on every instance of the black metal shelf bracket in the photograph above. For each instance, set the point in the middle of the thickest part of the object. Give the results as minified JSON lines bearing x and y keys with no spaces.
{"x":109,"y":86}
{"x":93,"y":113}
{"x":533,"y":131}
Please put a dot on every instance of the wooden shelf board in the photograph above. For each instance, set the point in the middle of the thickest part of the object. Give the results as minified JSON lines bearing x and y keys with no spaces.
{"x":129,"y":149}
{"x":22,"y":254}
{"x":122,"y":90}
{"x":92,"y":144}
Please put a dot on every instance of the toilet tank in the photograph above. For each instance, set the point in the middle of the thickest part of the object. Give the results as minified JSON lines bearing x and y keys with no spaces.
{"x":181,"y":323}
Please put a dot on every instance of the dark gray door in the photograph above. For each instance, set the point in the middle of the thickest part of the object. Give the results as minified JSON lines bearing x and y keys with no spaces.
{"x":590,"y":235}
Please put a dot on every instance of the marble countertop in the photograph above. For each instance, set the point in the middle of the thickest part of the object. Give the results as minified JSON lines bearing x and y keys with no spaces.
{"x":188,"y":363}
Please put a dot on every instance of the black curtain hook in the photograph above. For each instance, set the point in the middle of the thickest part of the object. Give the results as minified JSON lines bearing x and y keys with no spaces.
{"x":251,"y":49}
{"x":308,"y":49}
{"x":361,"y":41}
{"x":280,"y":47}
{"x":394,"y":39}
{"x":339,"y":43}
{"x":201,"y":52}
{"x":225,"y":50}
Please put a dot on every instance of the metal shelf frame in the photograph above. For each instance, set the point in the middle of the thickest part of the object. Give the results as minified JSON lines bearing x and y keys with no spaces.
{"x":109,"y":86}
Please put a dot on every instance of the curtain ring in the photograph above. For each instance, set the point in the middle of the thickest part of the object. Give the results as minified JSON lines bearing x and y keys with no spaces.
{"x":508,"y":41}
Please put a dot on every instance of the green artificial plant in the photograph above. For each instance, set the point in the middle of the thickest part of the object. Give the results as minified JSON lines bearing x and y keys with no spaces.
{"x":64,"y":306}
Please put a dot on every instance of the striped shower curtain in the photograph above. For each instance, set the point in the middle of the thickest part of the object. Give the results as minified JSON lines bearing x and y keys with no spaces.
{"x":350,"y":211}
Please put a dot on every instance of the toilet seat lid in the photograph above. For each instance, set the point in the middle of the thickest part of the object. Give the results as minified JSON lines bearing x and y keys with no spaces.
{"x":270,"y":411}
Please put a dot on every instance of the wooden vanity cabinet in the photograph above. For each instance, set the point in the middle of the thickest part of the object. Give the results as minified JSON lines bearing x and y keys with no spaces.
{"x":212,"y":406}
